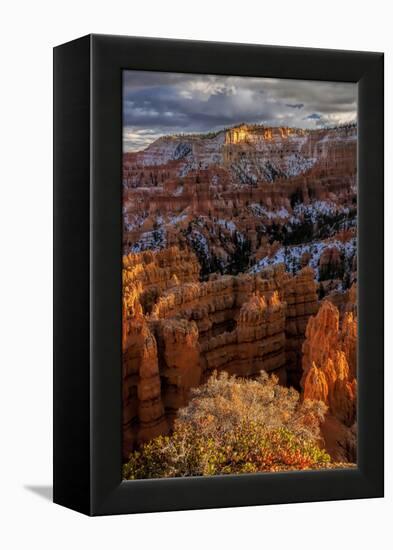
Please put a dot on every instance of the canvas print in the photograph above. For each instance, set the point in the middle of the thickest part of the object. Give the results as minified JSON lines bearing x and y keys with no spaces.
{"x":239,"y":321}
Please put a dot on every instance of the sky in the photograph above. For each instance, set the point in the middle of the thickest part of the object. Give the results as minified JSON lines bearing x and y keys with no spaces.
{"x":156,"y":104}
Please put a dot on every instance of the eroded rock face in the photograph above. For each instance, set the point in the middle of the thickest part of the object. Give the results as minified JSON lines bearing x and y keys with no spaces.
{"x":179,"y":362}
{"x":240,"y":324}
{"x":250,"y":152}
{"x":229,"y":195}
{"x":329,"y":371}
{"x":299,"y":293}
{"x":143,"y":409}
{"x":256,"y":342}
{"x":145,"y":276}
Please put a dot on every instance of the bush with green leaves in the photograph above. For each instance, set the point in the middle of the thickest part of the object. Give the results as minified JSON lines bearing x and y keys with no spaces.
{"x":233,"y":425}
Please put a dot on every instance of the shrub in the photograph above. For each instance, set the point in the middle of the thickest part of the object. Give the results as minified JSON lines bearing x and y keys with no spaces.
{"x":233,"y":426}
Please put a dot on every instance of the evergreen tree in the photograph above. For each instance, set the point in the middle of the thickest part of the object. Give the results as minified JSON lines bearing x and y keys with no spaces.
{"x":321,"y":291}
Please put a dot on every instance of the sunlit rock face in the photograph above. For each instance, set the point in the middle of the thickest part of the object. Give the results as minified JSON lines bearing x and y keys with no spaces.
{"x":178,"y":330}
{"x":329,"y":374}
{"x":237,"y":135}
{"x":145,"y":277}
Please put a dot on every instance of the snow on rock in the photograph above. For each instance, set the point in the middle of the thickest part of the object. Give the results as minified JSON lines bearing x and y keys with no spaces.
{"x":313,"y":211}
{"x":133,"y":222}
{"x":262,"y":211}
{"x":228,"y":224}
{"x":182,"y":150}
{"x":291,"y":255}
{"x":150,"y":240}
{"x":173,"y":220}
{"x":178,"y":191}
{"x":296,"y":164}
{"x":318,"y":208}
{"x":199,"y":244}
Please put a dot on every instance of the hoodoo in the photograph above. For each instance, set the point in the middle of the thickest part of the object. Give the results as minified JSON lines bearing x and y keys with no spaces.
{"x":177,"y":331}
{"x":329,"y":375}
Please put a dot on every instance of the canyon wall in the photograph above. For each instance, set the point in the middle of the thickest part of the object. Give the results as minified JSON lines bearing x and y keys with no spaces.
{"x":239,"y":324}
{"x":236,"y":167}
{"x":242,"y":197}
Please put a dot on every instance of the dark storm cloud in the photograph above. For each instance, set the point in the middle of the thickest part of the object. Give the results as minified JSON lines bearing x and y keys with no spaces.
{"x":156,"y":103}
{"x":313,"y":116}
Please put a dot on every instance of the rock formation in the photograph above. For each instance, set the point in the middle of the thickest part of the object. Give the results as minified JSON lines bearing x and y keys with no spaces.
{"x":229,"y":239}
{"x":143,"y":410}
{"x":179,"y":362}
{"x":257,"y":341}
{"x":299,"y":293}
{"x":187,"y":329}
{"x":145,"y":276}
{"x":329,"y":372}
{"x":224,"y":194}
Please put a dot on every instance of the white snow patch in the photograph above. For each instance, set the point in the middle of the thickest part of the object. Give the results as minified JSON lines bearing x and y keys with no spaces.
{"x":262,"y":211}
{"x":296,"y":164}
{"x":316,"y":209}
{"x":291,"y":255}
{"x":173,"y":220}
{"x":228,"y":224}
{"x":178,"y":191}
{"x":151,"y":240}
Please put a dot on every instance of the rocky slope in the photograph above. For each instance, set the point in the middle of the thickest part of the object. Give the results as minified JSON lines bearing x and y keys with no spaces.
{"x":247,"y":197}
{"x":250,"y":153}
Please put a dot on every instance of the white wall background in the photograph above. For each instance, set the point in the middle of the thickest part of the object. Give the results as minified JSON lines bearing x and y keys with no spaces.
{"x":29,"y":30}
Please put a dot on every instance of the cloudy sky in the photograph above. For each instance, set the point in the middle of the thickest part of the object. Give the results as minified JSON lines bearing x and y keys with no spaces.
{"x":155,"y":104}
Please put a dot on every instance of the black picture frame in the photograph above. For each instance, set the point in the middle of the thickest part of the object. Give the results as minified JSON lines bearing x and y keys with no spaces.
{"x":87,"y":274}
